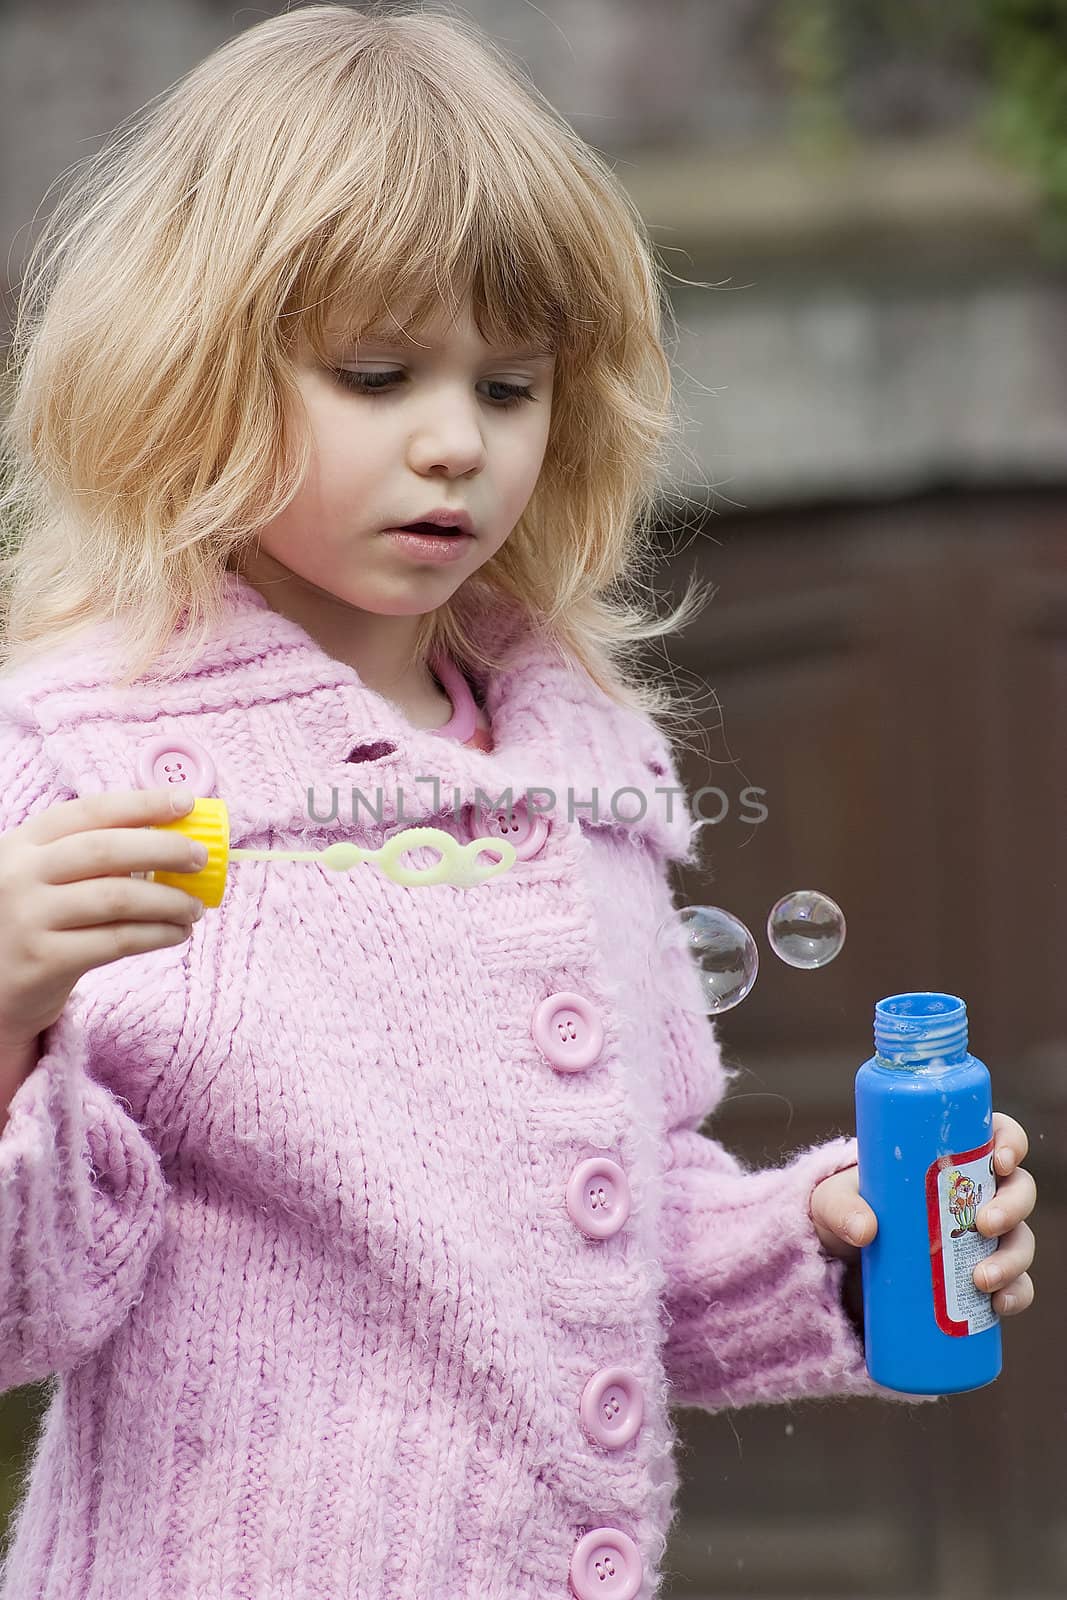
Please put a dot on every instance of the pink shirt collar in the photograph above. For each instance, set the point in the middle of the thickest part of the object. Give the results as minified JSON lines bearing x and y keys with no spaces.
{"x":464,"y":719}
{"x":552,"y":725}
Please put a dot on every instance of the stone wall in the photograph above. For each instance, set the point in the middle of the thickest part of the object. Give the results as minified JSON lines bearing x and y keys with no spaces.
{"x":883,"y":320}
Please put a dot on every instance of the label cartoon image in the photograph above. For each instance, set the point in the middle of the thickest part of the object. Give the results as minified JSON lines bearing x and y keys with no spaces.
{"x":956,"y":1185}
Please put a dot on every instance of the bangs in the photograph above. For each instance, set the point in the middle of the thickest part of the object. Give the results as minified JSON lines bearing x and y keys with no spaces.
{"x":469,"y":201}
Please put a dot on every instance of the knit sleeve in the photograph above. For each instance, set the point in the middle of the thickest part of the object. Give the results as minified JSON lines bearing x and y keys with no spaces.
{"x":81,"y":1191}
{"x":754,"y":1304}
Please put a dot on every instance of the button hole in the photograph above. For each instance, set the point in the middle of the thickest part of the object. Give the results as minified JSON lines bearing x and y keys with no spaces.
{"x":371,"y":752}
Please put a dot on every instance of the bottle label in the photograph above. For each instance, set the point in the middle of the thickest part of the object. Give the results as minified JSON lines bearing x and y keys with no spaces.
{"x":956,"y":1185}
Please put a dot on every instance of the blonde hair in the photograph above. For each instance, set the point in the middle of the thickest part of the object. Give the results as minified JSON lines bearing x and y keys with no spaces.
{"x":329,"y":162}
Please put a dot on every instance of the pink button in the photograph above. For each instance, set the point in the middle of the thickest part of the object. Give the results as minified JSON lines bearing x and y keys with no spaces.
{"x":173,"y":758}
{"x":598,"y":1197}
{"x":568,"y":1031}
{"x":525,"y":829}
{"x":606,"y":1565}
{"x":612,"y":1407}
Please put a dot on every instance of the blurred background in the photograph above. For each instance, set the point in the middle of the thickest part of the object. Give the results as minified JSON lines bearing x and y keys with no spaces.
{"x":861,"y":206}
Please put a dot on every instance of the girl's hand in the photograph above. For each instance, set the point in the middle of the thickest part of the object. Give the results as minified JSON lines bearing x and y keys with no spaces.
{"x":844,"y":1221}
{"x":70,"y":903}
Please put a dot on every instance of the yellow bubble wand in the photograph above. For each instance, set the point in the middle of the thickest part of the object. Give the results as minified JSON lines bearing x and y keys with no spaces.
{"x":209,"y":823}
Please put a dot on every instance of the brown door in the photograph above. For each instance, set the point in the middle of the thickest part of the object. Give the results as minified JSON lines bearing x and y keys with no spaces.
{"x":895,"y":679}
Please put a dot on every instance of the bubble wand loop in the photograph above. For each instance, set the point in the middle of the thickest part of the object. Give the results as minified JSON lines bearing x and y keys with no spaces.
{"x":209,"y":823}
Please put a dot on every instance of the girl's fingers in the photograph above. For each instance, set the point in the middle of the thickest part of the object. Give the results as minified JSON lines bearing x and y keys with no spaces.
{"x":838,"y":1212}
{"x":103,"y":902}
{"x":1012,"y":1144}
{"x":115,"y":808}
{"x":1013,"y":1202}
{"x":115,"y":853}
{"x":1010,"y":1261}
{"x":1018,"y":1296}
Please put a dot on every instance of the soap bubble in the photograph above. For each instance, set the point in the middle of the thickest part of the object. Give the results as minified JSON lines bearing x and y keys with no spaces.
{"x":724,"y":952}
{"x":806,"y":928}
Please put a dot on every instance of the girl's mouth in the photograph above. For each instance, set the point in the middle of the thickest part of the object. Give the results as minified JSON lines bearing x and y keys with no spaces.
{"x":426,"y":541}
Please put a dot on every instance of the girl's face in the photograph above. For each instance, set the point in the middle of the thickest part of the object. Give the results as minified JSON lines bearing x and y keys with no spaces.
{"x":399,"y":431}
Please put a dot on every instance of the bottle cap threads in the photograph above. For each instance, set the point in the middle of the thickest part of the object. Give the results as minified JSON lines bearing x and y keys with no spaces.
{"x":921,"y":1029}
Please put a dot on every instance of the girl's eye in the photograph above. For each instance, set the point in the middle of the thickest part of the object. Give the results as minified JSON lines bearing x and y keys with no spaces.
{"x":374,"y":382}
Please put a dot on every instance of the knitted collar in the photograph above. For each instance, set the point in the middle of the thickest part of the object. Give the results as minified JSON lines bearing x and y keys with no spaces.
{"x":286,"y":724}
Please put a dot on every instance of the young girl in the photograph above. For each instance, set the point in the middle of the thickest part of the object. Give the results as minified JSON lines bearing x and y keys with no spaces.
{"x":368,"y":1231}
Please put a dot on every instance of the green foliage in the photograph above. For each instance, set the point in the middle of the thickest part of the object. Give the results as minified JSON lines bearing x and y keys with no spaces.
{"x":1016,"y":48}
{"x":812,"y":57}
{"x":1027,"y":117}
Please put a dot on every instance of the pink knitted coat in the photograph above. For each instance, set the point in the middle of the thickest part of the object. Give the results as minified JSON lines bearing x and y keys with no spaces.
{"x":369,"y":1233}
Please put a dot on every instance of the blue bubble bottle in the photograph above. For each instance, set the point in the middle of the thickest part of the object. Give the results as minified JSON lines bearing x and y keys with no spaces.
{"x":924,"y":1125}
